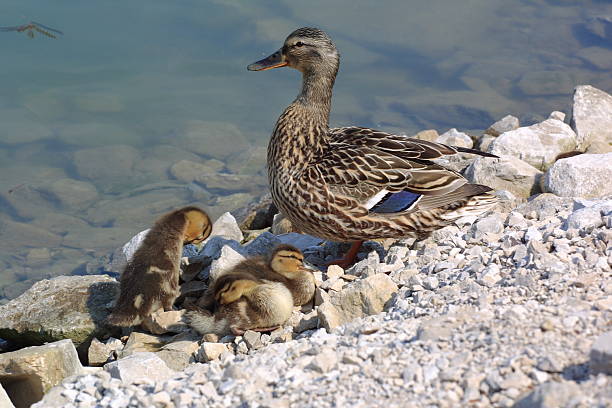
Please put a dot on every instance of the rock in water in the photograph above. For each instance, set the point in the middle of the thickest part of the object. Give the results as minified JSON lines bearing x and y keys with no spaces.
{"x":585,"y":175}
{"x":66,"y":307}
{"x":591,"y":116}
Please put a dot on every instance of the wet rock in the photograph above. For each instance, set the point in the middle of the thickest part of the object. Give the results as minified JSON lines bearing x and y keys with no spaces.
{"x":591,"y":116}
{"x":99,"y":353}
{"x":505,"y":124}
{"x":27,"y":374}
{"x":222,"y":139}
{"x":507,"y":173}
{"x":66,"y":307}
{"x":361,"y":298}
{"x":14,"y":234}
{"x":601,"y":354}
{"x":162,"y":322}
{"x":455,"y":138}
{"x":546,"y":83}
{"x":210,"y":351}
{"x":551,"y":395}
{"x":70,"y":193}
{"x":188,"y":171}
{"x":139,"y":367}
{"x":229,"y":182}
{"x":586,"y":175}
{"x":108,"y":165}
{"x":546,"y":140}
{"x":249,"y":162}
{"x":59,"y":223}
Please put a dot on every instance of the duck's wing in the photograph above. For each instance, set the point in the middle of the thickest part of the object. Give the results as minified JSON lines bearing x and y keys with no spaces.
{"x":390,"y":174}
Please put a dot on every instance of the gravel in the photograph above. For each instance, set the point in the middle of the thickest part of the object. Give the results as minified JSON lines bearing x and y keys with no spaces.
{"x":502,"y":312}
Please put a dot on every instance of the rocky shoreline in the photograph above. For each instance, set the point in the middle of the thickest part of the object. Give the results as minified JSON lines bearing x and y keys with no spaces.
{"x":512,"y":309}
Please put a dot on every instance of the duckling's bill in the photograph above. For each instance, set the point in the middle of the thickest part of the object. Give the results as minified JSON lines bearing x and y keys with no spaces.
{"x":275,"y":60}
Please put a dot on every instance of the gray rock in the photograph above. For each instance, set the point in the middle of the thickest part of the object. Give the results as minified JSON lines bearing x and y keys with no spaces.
{"x":70,"y":193}
{"x":108,"y":166}
{"x":505,"y":124}
{"x":14,"y":234}
{"x":544,"y":206}
{"x":490,"y":275}
{"x":490,"y":225}
{"x":361,"y":298}
{"x":263,"y":244}
{"x":584,"y":219}
{"x":591,"y":116}
{"x":546,"y":140}
{"x":601,"y":354}
{"x":66,"y":307}
{"x":366,"y":267}
{"x":121,"y":256}
{"x":557,"y":115}
{"x":222,"y":138}
{"x":27,"y":374}
{"x":507,"y":173}
{"x":139,"y":367}
{"x":161,"y":322}
{"x":252,"y":339}
{"x":455,"y":138}
{"x":99,"y":353}
{"x":585,"y":175}
{"x":300,"y":241}
{"x":551,"y":395}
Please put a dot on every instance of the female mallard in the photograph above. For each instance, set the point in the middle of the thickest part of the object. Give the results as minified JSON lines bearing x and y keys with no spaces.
{"x":352,"y":183}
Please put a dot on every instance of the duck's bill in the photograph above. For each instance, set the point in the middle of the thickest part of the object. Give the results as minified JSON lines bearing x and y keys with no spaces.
{"x":273,"y":61}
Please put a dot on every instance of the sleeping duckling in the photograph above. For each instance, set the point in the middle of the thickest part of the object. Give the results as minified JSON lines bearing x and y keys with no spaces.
{"x":288,"y":262}
{"x":243,"y":302}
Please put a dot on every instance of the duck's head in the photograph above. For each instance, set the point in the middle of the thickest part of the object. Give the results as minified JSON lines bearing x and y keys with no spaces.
{"x":306,"y":49}
{"x":286,"y":259}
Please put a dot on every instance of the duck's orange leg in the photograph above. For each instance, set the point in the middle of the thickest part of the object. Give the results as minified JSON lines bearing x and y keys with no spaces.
{"x":349,"y":257}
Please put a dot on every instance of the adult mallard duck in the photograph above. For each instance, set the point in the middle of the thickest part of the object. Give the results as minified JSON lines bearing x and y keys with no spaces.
{"x":352,"y":184}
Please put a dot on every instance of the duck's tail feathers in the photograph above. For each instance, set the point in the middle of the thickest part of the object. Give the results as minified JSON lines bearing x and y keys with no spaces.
{"x":205,"y":322}
{"x":474,"y":151}
{"x":475,"y":205}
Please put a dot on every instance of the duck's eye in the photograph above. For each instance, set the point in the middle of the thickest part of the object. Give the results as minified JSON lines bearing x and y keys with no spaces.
{"x":299,"y":44}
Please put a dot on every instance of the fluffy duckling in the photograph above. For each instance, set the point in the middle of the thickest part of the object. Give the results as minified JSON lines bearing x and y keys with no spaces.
{"x":286,"y":264}
{"x":150,"y":281}
{"x":243,"y":302}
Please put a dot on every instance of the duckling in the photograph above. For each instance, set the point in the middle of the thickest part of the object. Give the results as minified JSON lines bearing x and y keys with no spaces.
{"x":286,"y":264}
{"x":243,"y":302}
{"x":150,"y":280}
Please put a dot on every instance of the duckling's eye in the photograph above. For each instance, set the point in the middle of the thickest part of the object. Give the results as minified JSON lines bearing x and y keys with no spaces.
{"x":299,"y":44}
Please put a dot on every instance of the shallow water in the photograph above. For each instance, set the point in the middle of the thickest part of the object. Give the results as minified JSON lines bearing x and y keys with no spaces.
{"x":95,"y":123}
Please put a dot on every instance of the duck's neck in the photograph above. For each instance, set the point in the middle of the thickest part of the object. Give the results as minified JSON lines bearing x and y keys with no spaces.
{"x":301,"y":131}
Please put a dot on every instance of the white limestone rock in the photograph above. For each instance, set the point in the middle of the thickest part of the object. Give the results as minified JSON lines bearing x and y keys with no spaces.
{"x":505,"y":124}
{"x":228,"y":258}
{"x":121,"y":256}
{"x":551,"y":395}
{"x":139,"y":367}
{"x":591,"y":116}
{"x":601,"y":354}
{"x":210,"y":351}
{"x":455,"y":138}
{"x":537,"y":144}
{"x":585,"y":175}
{"x":227,"y":227}
{"x":506,"y":173}
{"x":30,"y":372}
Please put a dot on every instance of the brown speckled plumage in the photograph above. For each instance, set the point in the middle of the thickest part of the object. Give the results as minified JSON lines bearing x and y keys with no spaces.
{"x":327,"y":181}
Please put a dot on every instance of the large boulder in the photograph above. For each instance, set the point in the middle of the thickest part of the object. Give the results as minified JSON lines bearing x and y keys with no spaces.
{"x":538,"y":145}
{"x":585,"y":175}
{"x":27,"y":374}
{"x":591,"y":116}
{"x":507,"y":173}
{"x":66,"y":307}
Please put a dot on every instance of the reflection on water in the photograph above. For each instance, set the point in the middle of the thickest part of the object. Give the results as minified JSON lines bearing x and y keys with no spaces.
{"x":142,"y":107}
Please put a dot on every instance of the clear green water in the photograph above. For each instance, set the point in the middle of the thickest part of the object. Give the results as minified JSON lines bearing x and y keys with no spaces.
{"x":92,"y":123}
